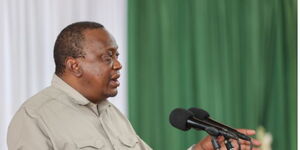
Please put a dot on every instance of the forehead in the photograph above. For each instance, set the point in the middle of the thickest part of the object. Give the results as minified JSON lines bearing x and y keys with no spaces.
{"x":100,"y":40}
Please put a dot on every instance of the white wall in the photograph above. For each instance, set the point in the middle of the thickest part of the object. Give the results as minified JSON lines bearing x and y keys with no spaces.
{"x":28,"y":30}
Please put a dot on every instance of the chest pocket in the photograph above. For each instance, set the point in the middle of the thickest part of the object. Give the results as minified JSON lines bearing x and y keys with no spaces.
{"x":128,"y":143}
{"x":90,"y":145}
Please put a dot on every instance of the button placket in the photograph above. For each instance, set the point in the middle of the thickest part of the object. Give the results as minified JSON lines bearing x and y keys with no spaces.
{"x":106,"y":131}
{"x":93,"y":108}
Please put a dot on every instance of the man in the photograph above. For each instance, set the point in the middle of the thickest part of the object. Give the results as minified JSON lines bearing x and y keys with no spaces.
{"x":73,"y":113}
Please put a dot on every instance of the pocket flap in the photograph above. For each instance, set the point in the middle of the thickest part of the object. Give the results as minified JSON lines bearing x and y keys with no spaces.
{"x":90,"y":143}
{"x":129,"y":141}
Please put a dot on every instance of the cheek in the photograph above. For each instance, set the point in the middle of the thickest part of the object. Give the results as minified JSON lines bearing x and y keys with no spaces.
{"x":97,"y":74}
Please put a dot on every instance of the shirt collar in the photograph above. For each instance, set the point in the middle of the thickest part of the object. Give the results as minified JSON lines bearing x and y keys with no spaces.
{"x":77,"y":98}
{"x":57,"y":82}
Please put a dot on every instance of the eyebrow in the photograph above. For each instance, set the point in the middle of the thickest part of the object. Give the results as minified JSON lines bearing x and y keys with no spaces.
{"x":113,"y":50}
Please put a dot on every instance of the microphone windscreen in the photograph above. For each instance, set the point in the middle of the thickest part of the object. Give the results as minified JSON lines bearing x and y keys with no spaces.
{"x":178,"y":118}
{"x":199,"y":113}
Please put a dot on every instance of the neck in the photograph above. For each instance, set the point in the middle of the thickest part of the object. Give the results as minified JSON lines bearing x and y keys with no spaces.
{"x":75,"y":83}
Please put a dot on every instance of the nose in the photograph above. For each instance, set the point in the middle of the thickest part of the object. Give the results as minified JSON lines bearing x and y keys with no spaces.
{"x":117,"y":65}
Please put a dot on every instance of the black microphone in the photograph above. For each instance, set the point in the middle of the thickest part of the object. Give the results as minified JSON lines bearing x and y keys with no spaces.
{"x":204,"y":116}
{"x":184,"y":120}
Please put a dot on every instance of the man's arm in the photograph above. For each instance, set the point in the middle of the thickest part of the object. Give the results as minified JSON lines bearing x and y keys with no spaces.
{"x":27,"y":132}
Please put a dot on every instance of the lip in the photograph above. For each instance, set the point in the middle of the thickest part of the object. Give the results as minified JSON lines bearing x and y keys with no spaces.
{"x":115,"y":76}
{"x":114,"y":80}
{"x":114,"y":83}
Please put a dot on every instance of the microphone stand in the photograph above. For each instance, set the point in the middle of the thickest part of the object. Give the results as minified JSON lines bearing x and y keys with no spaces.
{"x":214,"y":133}
{"x":251,"y":144}
{"x":215,"y":143}
{"x":228,"y":144}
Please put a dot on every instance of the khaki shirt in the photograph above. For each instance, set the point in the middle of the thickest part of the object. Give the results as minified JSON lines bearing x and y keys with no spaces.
{"x":60,"y":118}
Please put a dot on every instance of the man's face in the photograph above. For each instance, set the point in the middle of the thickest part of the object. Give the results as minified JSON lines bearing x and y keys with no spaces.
{"x":100,"y":65}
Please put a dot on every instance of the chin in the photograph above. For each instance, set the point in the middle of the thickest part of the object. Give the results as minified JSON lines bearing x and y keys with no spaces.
{"x":112,"y":94}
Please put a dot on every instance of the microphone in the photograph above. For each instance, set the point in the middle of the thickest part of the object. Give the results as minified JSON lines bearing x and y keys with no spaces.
{"x":184,"y":120}
{"x":203,"y":115}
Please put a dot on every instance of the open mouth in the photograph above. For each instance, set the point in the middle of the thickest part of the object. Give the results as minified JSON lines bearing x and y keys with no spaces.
{"x":114,"y":83}
{"x":114,"y":80}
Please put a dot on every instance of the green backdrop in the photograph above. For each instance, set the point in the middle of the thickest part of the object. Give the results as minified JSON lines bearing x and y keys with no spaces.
{"x":234,"y":58}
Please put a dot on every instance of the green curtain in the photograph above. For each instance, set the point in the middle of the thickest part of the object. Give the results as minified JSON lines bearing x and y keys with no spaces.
{"x":234,"y":58}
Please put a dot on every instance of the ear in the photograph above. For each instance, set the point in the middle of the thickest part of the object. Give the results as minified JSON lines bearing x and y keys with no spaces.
{"x":73,"y":66}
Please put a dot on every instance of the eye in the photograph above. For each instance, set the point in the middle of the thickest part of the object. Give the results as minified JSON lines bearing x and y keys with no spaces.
{"x":107,"y":58}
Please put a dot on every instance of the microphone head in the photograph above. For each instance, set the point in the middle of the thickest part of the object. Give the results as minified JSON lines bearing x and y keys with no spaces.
{"x":199,"y":113}
{"x":178,"y":118}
